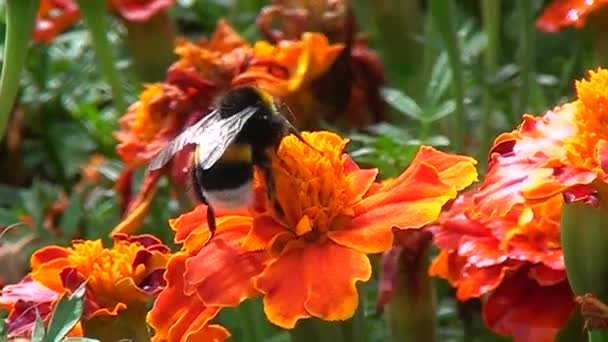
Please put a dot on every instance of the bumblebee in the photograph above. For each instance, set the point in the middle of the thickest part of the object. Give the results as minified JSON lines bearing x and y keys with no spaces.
{"x":229,"y":142}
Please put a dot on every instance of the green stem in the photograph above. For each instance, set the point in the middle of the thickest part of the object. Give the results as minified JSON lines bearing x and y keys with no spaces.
{"x":491,"y":23}
{"x":599,"y":34}
{"x":20,"y":20}
{"x":525,"y":13}
{"x":411,"y":310}
{"x":94,"y":16}
{"x":597,"y":336}
{"x":250,"y":315}
{"x":151,"y":44}
{"x":314,"y":329}
{"x":400,"y":21}
{"x":443,"y":13}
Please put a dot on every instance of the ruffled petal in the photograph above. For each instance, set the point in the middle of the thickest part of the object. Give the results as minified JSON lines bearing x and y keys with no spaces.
{"x":222,"y":270}
{"x":522,"y":308}
{"x":415,"y":201}
{"x":323,"y":286}
{"x":179,"y":317}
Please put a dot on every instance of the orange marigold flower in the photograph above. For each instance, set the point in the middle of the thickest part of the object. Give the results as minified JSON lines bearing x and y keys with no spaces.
{"x":564,"y":151}
{"x":563,"y":13}
{"x":514,"y":261}
{"x":24,"y":300}
{"x":54,"y":17}
{"x":328,"y":215}
{"x":129,"y":274}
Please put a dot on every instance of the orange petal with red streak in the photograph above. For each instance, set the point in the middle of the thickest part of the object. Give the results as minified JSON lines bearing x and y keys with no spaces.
{"x":321,"y":282}
{"x":177,"y":317}
{"x":222,"y":270}
{"x":560,"y":14}
{"x":416,"y":200}
{"x":47,"y":254}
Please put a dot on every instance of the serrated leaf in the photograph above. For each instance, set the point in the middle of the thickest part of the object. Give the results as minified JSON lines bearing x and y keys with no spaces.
{"x":402,"y":103}
{"x":71,"y":216}
{"x":441,"y":77}
{"x":66,"y":314}
{"x":38,"y":333}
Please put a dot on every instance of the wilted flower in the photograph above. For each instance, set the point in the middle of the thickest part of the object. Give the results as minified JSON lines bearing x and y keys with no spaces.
{"x":515,"y":262}
{"x":350,"y":89}
{"x":564,"y":151}
{"x":563,"y":13}
{"x":305,"y":252}
{"x":55,"y":16}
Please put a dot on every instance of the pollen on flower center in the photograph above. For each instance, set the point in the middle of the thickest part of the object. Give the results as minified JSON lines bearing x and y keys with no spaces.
{"x":311,"y":186}
{"x":591,"y":120}
{"x":104,"y":267}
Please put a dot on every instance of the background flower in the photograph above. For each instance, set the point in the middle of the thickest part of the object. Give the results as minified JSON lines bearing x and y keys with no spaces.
{"x":514,"y":261}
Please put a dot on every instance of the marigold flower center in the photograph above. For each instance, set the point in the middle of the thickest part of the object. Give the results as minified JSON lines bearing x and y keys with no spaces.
{"x":591,"y":119}
{"x":311,"y":187}
{"x":105,"y":267}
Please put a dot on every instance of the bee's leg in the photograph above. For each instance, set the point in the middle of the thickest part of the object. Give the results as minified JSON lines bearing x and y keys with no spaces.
{"x":260,"y":158}
{"x":198,"y":191}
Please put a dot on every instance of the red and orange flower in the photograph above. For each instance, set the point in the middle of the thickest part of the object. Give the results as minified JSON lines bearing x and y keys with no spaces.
{"x":563,"y":13}
{"x":564,"y":151}
{"x":124,"y":277}
{"x":306,"y":251}
{"x":203,"y":72}
{"x":515,"y":262}
{"x":55,"y":16}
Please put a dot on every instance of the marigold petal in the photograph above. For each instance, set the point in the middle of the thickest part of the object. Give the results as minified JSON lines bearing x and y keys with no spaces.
{"x":416,"y":200}
{"x":359,"y":182}
{"x":477,"y":281}
{"x":138,"y":210}
{"x":602,"y":155}
{"x":139,"y":11}
{"x":448,"y":266}
{"x":48,"y":274}
{"x":560,"y":14}
{"x":324,"y":286}
{"x":455,"y":170}
{"x":521,"y":308}
{"x":263,"y":231}
{"x":47,"y":254}
{"x":221,"y":271}
{"x":178,"y":317}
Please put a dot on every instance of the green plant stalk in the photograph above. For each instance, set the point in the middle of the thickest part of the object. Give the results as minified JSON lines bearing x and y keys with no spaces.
{"x":314,"y":329}
{"x":250,"y":315}
{"x":525,"y":14}
{"x":94,"y":16}
{"x":443,"y":14}
{"x":584,"y":232}
{"x":20,"y":20}
{"x":490,"y":11}
{"x":151,"y":44}
{"x":400,"y":21}
{"x":411,"y":310}
{"x":599,"y":36}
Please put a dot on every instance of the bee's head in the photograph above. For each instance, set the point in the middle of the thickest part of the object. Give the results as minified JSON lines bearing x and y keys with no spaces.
{"x":240,"y":98}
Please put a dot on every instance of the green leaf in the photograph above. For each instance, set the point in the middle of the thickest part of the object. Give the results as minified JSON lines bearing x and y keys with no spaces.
{"x":444,"y":110}
{"x":441,"y":78}
{"x":38,"y":331}
{"x":402,"y":103}
{"x":66,"y":314}
{"x":71,"y":216}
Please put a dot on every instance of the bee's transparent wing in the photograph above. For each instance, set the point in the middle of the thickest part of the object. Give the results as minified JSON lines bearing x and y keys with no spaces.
{"x":212,"y":130}
{"x":213,"y":144}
